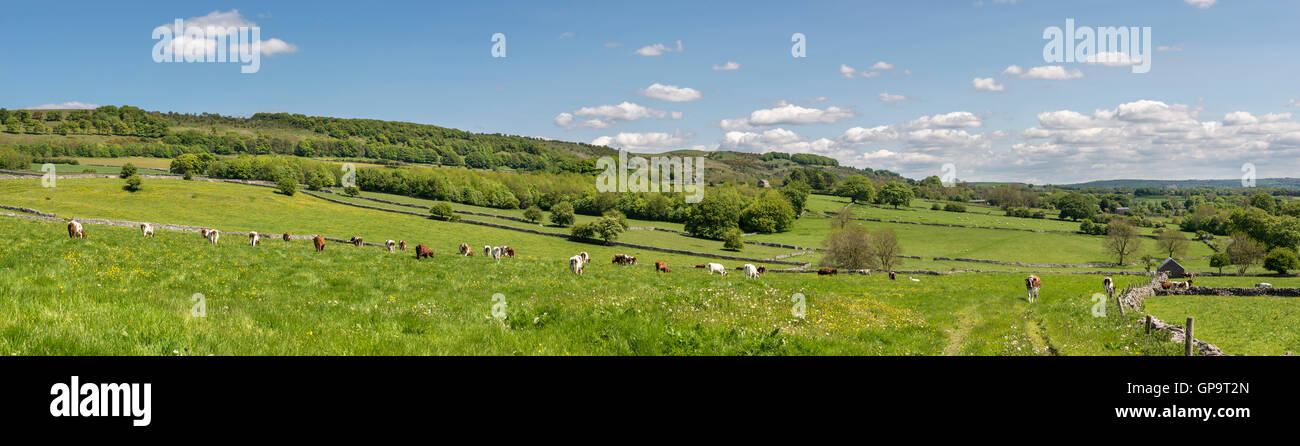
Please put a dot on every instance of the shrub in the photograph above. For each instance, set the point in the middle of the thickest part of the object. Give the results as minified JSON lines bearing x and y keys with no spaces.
{"x":352,"y":191}
{"x":13,"y":159}
{"x":771,"y":213}
{"x":954,"y":207}
{"x":733,"y":240}
{"x":1280,"y":260}
{"x":562,"y":214}
{"x":533,"y":214}
{"x":1220,"y":260}
{"x":128,"y":169}
{"x":443,"y":211}
{"x":286,"y":185}
{"x":604,"y":228}
{"x":936,"y":207}
{"x":618,"y":217}
{"x":133,"y":183}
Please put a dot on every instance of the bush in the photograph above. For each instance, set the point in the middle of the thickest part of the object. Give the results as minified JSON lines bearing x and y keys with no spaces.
{"x":936,"y":207}
{"x":618,"y":217}
{"x":533,"y":214}
{"x":604,"y":228}
{"x":771,"y":213}
{"x":1280,"y":260}
{"x":352,"y":191}
{"x":286,"y":185}
{"x":733,"y":240}
{"x":13,"y":159}
{"x":562,"y":214}
{"x":713,"y":216}
{"x":133,"y":183}
{"x":1220,"y":260}
{"x":954,"y":207}
{"x":128,"y":169}
{"x":443,"y":211}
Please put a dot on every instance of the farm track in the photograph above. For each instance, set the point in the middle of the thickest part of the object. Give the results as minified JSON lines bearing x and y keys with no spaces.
{"x":1038,"y":336}
{"x":965,"y":321}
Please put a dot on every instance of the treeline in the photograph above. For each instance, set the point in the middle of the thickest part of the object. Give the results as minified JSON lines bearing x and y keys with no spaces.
{"x":107,"y":120}
{"x":806,"y":159}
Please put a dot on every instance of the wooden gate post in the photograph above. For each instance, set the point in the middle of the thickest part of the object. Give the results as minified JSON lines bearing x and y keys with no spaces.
{"x":1188,"y":340}
{"x":1149,"y":324}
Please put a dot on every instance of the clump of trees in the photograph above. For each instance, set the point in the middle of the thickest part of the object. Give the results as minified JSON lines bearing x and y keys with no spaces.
{"x":533,"y":214}
{"x":13,"y":159}
{"x":1281,"y":260}
{"x":1245,"y":252}
{"x":604,"y":228}
{"x":851,"y":246}
{"x":443,"y":211}
{"x":562,"y":214}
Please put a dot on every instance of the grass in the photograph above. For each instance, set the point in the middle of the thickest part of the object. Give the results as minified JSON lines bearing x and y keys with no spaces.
{"x":1238,"y":325}
{"x":118,"y":294}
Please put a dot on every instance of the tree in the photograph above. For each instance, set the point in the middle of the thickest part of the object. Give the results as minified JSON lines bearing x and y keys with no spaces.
{"x":857,"y":189}
{"x":618,"y":217}
{"x":1122,"y":239}
{"x":133,"y":183}
{"x":769,"y":213}
{"x":443,"y":211}
{"x":533,"y":214}
{"x":1075,"y":206}
{"x":287,"y":184}
{"x":848,"y":247}
{"x":1245,"y":252}
{"x":714,"y":215}
{"x":1220,"y":260}
{"x":1280,"y":260}
{"x":128,"y":169}
{"x":604,"y":228}
{"x":352,"y":191}
{"x":733,"y":240}
{"x":562,"y":214}
{"x":1172,"y":242}
{"x":896,"y":194}
{"x":885,"y":250}
{"x":797,"y":193}
{"x":1263,"y":201}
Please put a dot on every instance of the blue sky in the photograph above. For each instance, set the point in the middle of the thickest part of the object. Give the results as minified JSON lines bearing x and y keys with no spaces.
{"x":1221,"y":92}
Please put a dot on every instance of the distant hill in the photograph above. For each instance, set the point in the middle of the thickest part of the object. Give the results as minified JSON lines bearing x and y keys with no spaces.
{"x":1293,"y":183}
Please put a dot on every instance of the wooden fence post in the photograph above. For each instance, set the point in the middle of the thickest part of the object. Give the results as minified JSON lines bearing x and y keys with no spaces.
{"x":1148,"y":324}
{"x":1188,"y":340}
{"x":1118,"y":303}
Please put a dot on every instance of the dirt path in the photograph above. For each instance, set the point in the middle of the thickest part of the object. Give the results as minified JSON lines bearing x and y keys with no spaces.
{"x":1037,"y":336}
{"x":965,"y":320}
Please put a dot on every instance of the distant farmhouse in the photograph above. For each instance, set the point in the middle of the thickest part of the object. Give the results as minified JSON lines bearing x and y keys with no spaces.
{"x":1121,"y":210}
{"x":1171,"y":268}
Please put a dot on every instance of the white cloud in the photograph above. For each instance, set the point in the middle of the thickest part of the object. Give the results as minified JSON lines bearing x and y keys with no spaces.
{"x":1203,"y":4}
{"x":644,"y":142}
{"x":870,"y":74}
{"x":670,"y":93}
{"x":860,"y":135}
{"x":71,"y":105}
{"x":882,"y":65}
{"x":778,"y":139}
{"x":729,"y":66}
{"x":219,"y":23}
{"x":658,"y":49}
{"x":1013,"y":70}
{"x":785,"y":113}
{"x":886,"y":97}
{"x":1051,"y":72}
{"x":675,"y":114}
{"x":986,"y":84}
{"x":847,"y":71}
{"x":1112,"y":59}
{"x":957,"y":119}
{"x":604,"y":116}
{"x":566,"y":35}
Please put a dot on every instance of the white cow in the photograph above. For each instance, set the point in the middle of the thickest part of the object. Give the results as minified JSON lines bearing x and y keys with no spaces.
{"x":391,"y":245}
{"x":254,"y":238}
{"x":487,"y":251}
{"x":75,"y":230}
{"x":585,"y":257}
{"x":1109,"y":285}
{"x":146,"y":229}
{"x":577,"y":264}
{"x":496,"y":253}
{"x":213,"y":235}
{"x":1263,"y":285}
{"x":717,"y":268}
{"x":750,"y":271}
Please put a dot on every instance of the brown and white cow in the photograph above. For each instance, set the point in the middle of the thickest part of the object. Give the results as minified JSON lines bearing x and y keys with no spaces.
{"x":508,"y":251}
{"x":577,"y":264}
{"x":286,"y":236}
{"x":1032,"y":285}
{"x":422,"y":251}
{"x":827,"y":272}
{"x":319,"y":242}
{"x":585,"y":258}
{"x":356,"y":241}
{"x":254,"y":238}
{"x":146,"y":229}
{"x":390,"y":245}
{"x":1109,"y":286}
{"x":620,"y":259}
{"x":401,"y":244}
{"x":213,"y":236}
{"x":75,"y":230}
{"x":465,"y":251}
{"x":661,"y":266}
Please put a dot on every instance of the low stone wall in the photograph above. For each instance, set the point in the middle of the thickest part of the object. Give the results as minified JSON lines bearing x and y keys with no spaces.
{"x":1132,"y":298}
{"x":1051,"y":265}
{"x":1231,"y":291}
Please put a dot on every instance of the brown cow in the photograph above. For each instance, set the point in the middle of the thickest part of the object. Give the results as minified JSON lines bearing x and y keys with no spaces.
{"x":509,"y":252}
{"x":319,"y":242}
{"x":75,"y":230}
{"x":286,"y":236}
{"x":465,"y":251}
{"x":356,"y":241}
{"x":422,"y":251}
{"x":620,"y":259}
{"x":401,"y":244}
{"x":661,"y":266}
{"x":762,"y":269}
{"x":1032,"y":285}
{"x":701,"y":266}
{"x":827,"y":272}
{"x":1166,"y":285}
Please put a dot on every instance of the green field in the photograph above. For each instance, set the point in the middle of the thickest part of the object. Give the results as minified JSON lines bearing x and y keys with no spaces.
{"x":1238,"y":325}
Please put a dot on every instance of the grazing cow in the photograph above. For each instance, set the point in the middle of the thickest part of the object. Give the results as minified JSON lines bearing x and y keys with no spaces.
{"x":827,"y":272}
{"x":661,"y":266}
{"x":75,"y":230}
{"x":146,"y":229}
{"x":585,"y":258}
{"x":913,"y":279}
{"x":1109,"y":286}
{"x":1263,"y":285}
{"x":204,"y":232}
{"x":391,"y":245}
{"x":496,"y":253}
{"x":319,"y":242}
{"x":1032,"y":285}
{"x":1166,"y":284}
{"x":751,"y":272}
{"x":254,"y":238}
{"x":401,"y":244}
{"x":487,"y":251}
{"x":422,"y":251}
{"x":508,"y":252}
{"x":356,"y":241}
{"x":286,"y":236}
{"x":701,"y":266}
{"x":464,"y":250}
{"x":762,"y":269}
{"x":892,"y":276}
{"x":717,"y":268}
{"x":214,"y":235}
{"x":621,"y":259}
{"x":577,"y":264}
